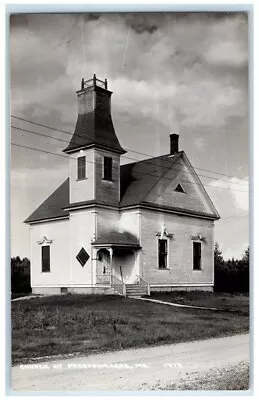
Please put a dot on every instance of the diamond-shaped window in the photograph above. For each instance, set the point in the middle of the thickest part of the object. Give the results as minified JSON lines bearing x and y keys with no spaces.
{"x":82,"y":256}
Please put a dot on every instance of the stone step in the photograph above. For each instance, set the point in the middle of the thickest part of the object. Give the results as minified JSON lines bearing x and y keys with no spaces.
{"x":135,"y":292}
{"x":132,"y":285}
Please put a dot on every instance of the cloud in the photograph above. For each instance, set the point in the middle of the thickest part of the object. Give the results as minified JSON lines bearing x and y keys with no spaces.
{"x":165,"y":76}
{"x":237,"y":188}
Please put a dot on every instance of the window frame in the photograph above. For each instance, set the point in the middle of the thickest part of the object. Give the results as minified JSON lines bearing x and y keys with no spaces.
{"x":45,"y":268}
{"x":83,"y":254}
{"x":181,"y":189}
{"x":107,"y":177}
{"x":166,"y":253}
{"x":80,"y":168}
{"x":194,"y":259}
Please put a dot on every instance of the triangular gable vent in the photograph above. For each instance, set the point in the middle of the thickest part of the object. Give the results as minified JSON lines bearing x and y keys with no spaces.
{"x":179,"y":188}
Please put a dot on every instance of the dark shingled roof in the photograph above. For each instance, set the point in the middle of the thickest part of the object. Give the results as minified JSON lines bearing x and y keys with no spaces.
{"x":138,"y":178}
{"x":53,"y":206}
{"x":95,"y":128}
{"x":117,"y":238}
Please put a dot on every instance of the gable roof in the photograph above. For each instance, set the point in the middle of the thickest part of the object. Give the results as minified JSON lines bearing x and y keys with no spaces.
{"x":137,"y":182}
{"x":94,"y":129}
{"x":53,"y":206}
{"x":151,"y":183}
{"x":138,"y":178}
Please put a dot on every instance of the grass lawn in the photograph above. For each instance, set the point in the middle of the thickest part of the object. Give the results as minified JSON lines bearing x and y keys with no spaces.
{"x":223,"y":301}
{"x":88,"y":324}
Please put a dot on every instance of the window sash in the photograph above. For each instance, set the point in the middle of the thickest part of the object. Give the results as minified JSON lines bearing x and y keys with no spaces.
{"x":81,"y":168}
{"x":162,"y":253}
{"x":45,"y":258}
{"x":196,"y":255}
{"x":107,"y":168}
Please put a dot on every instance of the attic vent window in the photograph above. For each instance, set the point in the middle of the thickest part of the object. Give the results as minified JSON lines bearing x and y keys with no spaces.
{"x":82,"y":256}
{"x":179,"y":189}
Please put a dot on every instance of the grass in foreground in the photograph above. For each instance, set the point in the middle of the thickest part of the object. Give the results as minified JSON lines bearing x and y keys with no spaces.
{"x":88,"y":324}
{"x":232,"y":378}
{"x":223,"y":301}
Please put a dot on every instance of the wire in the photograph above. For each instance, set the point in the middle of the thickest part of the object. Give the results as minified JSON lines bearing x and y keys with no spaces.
{"x":142,"y":173}
{"x":42,"y":151}
{"x":130,"y":150}
{"x":147,"y":161}
{"x":130,"y":158}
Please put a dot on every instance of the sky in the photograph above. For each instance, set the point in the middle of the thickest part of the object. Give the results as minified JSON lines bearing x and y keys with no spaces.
{"x":169,"y":72}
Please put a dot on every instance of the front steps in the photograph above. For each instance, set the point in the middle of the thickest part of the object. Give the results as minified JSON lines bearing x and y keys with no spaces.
{"x":134,"y":290}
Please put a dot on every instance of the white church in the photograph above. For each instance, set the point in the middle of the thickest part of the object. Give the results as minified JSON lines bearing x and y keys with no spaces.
{"x":121,"y":229}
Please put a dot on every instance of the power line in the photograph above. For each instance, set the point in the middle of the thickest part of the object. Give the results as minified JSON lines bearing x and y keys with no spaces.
{"x":130,"y":158}
{"x":130,"y":150}
{"x":142,"y":173}
{"x":42,"y":151}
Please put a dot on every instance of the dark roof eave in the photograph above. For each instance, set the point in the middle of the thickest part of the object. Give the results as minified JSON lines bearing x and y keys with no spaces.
{"x":55,"y":218}
{"x":174,"y":210}
{"x":129,"y":245}
{"x":87,"y":204}
{"x":70,"y":150}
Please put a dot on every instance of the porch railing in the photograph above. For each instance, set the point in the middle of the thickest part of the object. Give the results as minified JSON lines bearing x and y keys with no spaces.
{"x":118,"y":286}
{"x":103,"y":279}
{"x":144,"y":285}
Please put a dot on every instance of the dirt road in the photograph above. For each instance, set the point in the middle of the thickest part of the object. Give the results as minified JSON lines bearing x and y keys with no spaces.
{"x":131,"y":369}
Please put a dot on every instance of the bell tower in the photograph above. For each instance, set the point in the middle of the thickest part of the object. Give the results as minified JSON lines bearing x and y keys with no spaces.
{"x":94,"y":149}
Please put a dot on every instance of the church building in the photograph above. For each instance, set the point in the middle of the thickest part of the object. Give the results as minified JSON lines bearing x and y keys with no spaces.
{"x":121,"y":229}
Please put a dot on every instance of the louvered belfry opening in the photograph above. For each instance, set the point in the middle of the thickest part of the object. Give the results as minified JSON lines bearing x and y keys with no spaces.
{"x":94,"y":126}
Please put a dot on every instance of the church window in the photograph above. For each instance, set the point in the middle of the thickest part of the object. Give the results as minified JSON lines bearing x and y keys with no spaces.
{"x":107,"y":168}
{"x":162,"y":253}
{"x":45,"y":259}
{"x":81,"y":168}
{"x":196,"y":255}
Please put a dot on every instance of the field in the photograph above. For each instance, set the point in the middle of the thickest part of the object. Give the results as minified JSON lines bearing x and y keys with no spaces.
{"x":85,"y":324}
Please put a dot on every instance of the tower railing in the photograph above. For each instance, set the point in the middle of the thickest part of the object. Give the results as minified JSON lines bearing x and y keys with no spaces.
{"x":94,"y":82}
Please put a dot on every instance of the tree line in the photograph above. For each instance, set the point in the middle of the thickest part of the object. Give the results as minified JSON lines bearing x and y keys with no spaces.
{"x":20,"y":275}
{"x":231,"y":275}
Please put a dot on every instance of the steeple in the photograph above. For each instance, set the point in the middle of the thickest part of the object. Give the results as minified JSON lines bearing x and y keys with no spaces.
{"x":94,"y":127}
